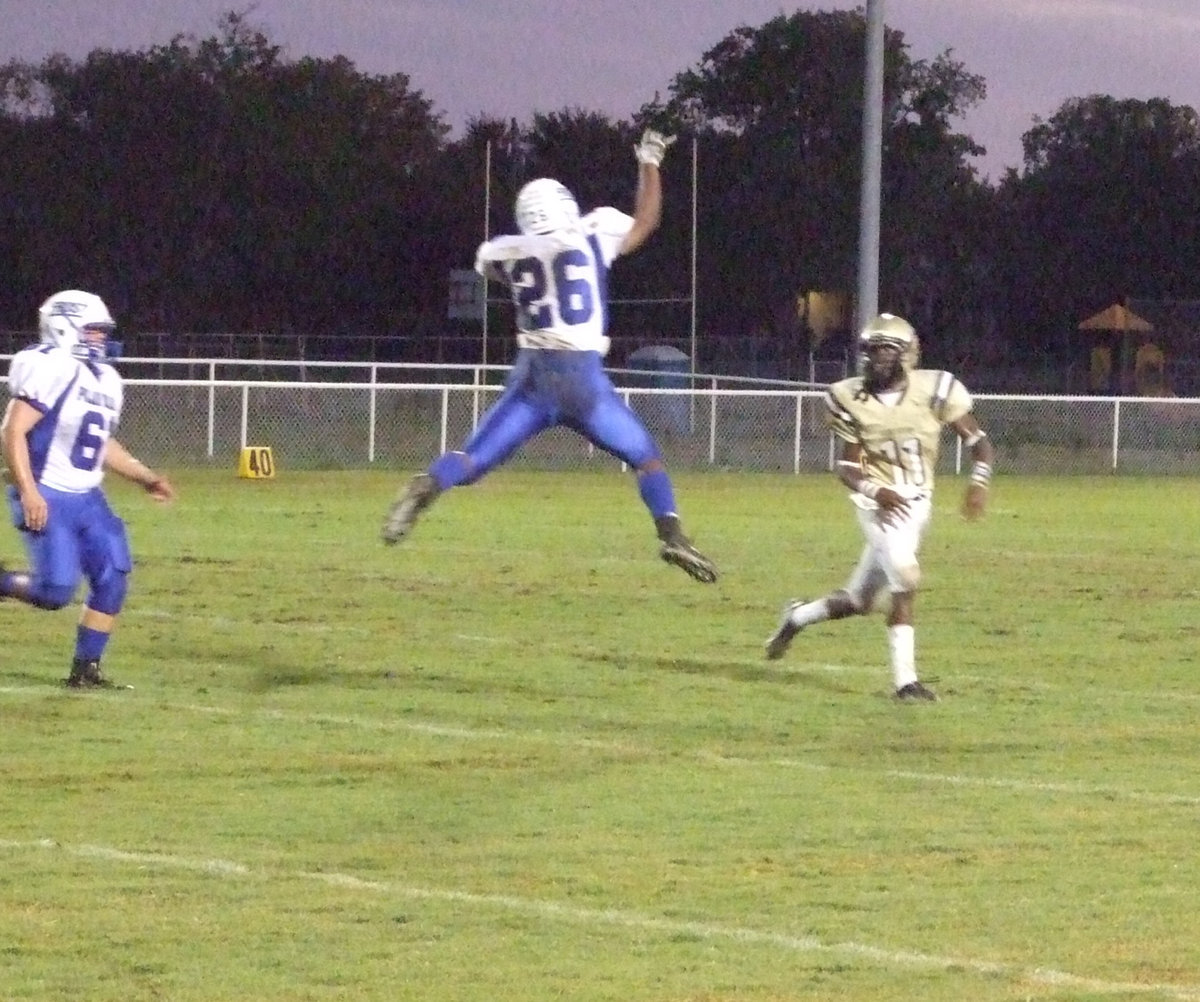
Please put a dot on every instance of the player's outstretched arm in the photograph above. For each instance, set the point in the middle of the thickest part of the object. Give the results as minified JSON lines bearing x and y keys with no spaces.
{"x":118,"y":459}
{"x":647,"y":209}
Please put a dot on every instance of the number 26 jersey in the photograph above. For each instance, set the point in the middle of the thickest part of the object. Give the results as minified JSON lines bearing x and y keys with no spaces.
{"x":559,"y":281}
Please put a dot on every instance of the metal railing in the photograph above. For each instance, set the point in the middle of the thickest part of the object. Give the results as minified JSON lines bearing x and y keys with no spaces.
{"x":345,"y":414}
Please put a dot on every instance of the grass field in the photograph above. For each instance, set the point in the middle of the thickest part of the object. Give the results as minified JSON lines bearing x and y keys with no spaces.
{"x":520,"y":758}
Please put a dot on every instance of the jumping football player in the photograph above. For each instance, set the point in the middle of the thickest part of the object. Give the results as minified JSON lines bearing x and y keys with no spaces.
{"x":557,"y":268}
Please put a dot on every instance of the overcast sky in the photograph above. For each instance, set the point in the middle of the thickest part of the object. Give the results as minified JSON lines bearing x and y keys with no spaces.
{"x":509,"y":58}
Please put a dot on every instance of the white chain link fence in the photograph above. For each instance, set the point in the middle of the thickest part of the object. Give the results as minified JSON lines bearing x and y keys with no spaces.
{"x":329,"y":415}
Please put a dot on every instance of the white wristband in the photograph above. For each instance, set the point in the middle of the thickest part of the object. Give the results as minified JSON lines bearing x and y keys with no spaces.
{"x":981,"y":474}
{"x":868,"y":488}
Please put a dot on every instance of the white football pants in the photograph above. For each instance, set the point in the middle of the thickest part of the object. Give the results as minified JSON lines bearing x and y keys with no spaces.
{"x":889,"y":557}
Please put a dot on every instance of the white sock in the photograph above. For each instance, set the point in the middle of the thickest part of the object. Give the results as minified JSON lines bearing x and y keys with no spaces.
{"x":810,"y":612}
{"x":902,"y":644}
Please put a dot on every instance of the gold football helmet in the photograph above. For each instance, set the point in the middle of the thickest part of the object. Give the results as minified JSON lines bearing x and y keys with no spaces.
{"x":894,"y":332}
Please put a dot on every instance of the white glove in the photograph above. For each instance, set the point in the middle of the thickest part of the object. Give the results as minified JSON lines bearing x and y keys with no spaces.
{"x":652,"y":148}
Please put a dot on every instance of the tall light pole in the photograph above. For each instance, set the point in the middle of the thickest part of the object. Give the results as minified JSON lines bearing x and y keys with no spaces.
{"x":867,"y":301}
{"x":487,"y":216}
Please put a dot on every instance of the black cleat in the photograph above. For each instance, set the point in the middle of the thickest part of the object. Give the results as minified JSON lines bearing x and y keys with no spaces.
{"x":779,"y":641}
{"x":677,"y":550}
{"x":86,"y":674}
{"x":407,"y":507}
{"x":685,"y":556}
{"x":916,"y":692}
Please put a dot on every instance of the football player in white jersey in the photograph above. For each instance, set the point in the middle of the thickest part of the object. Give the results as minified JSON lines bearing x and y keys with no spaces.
{"x":57,"y":436}
{"x":889,"y":420}
{"x":557,"y":268}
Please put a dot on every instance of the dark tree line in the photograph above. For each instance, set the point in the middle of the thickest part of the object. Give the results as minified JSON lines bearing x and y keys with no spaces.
{"x":213,"y":185}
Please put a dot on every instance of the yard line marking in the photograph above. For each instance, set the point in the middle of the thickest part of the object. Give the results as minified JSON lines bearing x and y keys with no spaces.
{"x":217,"y":866}
{"x":575,"y":741}
{"x":743,"y":934}
{"x":464,"y":733}
{"x":553,"y":910}
{"x":425,"y":727}
{"x":987,"y":782}
{"x":628,"y":747}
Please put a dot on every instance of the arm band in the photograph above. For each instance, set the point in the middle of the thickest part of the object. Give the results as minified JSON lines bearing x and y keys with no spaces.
{"x":971,"y":440}
{"x":867,"y":488}
{"x":981,"y":474}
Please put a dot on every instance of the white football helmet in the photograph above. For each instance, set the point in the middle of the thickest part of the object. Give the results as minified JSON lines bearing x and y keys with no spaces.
{"x":545,"y":206}
{"x":80,"y":322}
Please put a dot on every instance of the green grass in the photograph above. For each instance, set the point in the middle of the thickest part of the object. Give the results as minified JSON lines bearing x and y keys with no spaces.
{"x":520,"y":758}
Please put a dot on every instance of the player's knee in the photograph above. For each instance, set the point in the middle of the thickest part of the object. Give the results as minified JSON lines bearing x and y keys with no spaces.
{"x":909,"y":577}
{"x":108,"y":592}
{"x":51,"y":596}
{"x":849,"y":603}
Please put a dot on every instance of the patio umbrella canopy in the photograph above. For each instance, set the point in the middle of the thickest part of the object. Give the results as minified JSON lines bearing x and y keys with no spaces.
{"x":1122,"y":322}
{"x":1117,"y":317}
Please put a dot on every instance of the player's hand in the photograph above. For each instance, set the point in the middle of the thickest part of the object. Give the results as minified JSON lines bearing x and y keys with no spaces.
{"x":35,"y":511}
{"x":893,"y":506}
{"x":891,"y":500}
{"x":652,"y":147}
{"x":974,"y":502}
{"x":160,"y":489}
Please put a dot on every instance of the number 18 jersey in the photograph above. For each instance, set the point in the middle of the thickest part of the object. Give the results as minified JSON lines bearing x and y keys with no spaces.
{"x":80,"y":404}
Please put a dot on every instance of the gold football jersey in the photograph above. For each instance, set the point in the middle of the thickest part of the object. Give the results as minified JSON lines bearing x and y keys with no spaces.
{"x":900,"y":441}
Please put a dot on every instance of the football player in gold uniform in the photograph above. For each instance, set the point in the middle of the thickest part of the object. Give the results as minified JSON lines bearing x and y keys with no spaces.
{"x":889,"y":420}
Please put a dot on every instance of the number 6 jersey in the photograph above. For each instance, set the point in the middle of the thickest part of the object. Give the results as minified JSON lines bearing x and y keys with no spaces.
{"x":899,"y":440}
{"x":80,"y":404}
